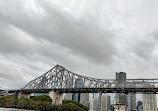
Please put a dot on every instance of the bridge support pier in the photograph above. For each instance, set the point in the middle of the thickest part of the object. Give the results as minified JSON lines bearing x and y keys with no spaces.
{"x":57,"y":98}
{"x":22,"y":95}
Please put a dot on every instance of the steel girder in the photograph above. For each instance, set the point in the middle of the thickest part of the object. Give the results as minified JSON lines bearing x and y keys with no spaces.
{"x":61,"y":78}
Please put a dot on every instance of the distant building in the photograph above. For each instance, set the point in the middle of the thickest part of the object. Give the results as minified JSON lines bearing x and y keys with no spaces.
{"x":44,"y":78}
{"x":105,"y":103}
{"x":131,"y":97}
{"x":82,"y":98}
{"x":76,"y":97}
{"x":120,"y":107}
{"x":149,"y":100}
{"x":94,"y":95}
{"x":68,"y":96}
{"x":139,"y":106}
{"x":122,"y":98}
{"x":94,"y":104}
{"x":39,"y":94}
{"x":121,"y":79}
{"x":132,"y":101}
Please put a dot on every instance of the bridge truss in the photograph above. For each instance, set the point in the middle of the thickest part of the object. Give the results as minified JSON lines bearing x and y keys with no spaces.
{"x":64,"y":81}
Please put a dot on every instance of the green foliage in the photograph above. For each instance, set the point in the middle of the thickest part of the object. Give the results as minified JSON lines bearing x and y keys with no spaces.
{"x":22,"y":104}
{"x":71,"y":107}
{"x":41,"y":103}
{"x":8,"y":101}
{"x":85,"y":108}
{"x":72,"y":104}
{"x":41,"y":98}
{"x":113,"y":108}
{"x":75,"y":103}
{"x":41,"y":106}
{"x":71,"y":101}
{"x":7,"y":97}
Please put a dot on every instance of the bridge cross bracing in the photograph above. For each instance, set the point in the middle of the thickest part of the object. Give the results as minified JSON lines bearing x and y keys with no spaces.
{"x":61,"y":80}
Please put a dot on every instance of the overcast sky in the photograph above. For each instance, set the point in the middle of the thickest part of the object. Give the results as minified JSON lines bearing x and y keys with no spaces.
{"x":94,"y":38}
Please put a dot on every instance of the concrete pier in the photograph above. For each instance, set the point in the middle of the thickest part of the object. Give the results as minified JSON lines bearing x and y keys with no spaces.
{"x":57,"y":98}
{"x":22,"y":95}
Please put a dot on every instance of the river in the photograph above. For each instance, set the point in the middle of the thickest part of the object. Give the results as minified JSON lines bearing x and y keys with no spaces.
{"x":12,"y":109}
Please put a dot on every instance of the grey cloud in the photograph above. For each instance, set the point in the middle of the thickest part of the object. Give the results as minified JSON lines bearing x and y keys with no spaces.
{"x":36,"y":35}
{"x":8,"y":74}
{"x":144,"y":49}
{"x":82,"y":38}
{"x":11,"y":42}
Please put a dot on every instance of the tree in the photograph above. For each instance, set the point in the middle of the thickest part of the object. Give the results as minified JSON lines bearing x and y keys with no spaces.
{"x":41,"y":98}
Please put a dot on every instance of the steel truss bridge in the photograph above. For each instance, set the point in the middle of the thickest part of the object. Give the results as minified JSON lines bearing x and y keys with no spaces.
{"x":61,"y":80}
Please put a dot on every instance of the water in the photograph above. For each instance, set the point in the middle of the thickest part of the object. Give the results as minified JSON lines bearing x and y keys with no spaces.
{"x":12,"y":109}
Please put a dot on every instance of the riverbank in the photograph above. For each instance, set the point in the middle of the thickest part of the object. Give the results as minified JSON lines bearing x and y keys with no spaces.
{"x":40,"y":103}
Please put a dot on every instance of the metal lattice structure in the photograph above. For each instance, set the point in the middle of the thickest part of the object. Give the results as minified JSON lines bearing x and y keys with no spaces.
{"x":63,"y":80}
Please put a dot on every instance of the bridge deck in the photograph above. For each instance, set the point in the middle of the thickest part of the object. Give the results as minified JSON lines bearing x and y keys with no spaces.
{"x":62,"y":80}
{"x":91,"y":90}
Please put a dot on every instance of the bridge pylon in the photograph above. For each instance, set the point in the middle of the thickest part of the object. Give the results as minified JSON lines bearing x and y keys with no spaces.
{"x":57,"y":98}
{"x":22,"y":95}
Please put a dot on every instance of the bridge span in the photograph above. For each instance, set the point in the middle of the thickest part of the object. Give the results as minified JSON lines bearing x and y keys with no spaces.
{"x":60,"y":80}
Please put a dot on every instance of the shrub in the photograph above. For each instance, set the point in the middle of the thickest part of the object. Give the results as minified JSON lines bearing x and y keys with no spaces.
{"x":71,"y":107}
{"x":8,"y":101}
{"x":76,"y":103}
{"x":22,"y":104}
{"x":44,"y":106}
{"x":32,"y":105}
{"x":85,"y":108}
{"x":42,"y":98}
{"x":37,"y":104}
{"x":57,"y":108}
